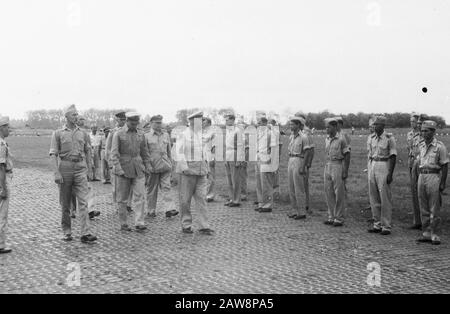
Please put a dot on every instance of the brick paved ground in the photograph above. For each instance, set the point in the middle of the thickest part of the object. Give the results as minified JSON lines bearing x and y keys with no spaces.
{"x":250,"y":252}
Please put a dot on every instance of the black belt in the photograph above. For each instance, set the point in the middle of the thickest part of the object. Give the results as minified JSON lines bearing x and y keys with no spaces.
{"x":296,"y":155}
{"x":380,"y":159}
{"x":72,"y":159}
{"x":426,"y":171}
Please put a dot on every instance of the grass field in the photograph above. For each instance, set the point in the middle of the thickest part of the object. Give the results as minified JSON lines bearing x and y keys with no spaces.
{"x":32,"y":152}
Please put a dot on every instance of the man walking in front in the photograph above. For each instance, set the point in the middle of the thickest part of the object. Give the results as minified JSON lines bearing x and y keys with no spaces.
{"x":6,"y":168}
{"x":131,"y":160}
{"x":158,"y":144}
{"x":192,"y":166}
{"x":71,"y":158}
{"x":382,"y":159}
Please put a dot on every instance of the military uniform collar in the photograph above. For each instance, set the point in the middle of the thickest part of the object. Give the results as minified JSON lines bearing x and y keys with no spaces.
{"x":433,"y":142}
{"x":335,"y":136}
{"x":69,"y":129}
{"x":383,"y":135}
{"x":126,"y":129}
{"x":298,"y":134}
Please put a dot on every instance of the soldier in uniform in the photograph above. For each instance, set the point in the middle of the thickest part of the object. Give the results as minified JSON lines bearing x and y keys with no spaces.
{"x":192,"y":166}
{"x":412,"y":141}
{"x":347,"y":138}
{"x":235,"y":160}
{"x":210,"y":146}
{"x":106,"y":174}
{"x":131,"y":161}
{"x":382,"y":159}
{"x":266,"y":165}
{"x":244,"y":173}
{"x":71,"y":157}
{"x":299,"y":151}
{"x":337,"y":155}
{"x":120,"y":122}
{"x":6,"y":168}
{"x":96,"y":150}
{"x":432,"y":168}
{"x":158,"y":144}
{"x":277,"y":133}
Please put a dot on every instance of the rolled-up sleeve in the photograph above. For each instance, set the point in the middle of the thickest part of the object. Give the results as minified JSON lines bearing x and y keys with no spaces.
{"x":345,"y":148}
{"x":392,"y":147}
{"x":54,"y":144}
{"x":443,"y":155}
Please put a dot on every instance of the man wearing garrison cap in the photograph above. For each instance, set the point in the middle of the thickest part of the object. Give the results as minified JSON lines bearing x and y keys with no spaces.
{"x":382,"y":154}
{"x":70,"y":153}
{"x":6,"y":168}
{"x":158,"y":145}
{"x":432,"y":167}
{"x":131,"y":160}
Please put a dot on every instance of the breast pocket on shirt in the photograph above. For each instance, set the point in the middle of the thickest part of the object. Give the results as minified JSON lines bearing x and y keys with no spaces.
{"x":432,"y":157}
{"x":383,"y":149}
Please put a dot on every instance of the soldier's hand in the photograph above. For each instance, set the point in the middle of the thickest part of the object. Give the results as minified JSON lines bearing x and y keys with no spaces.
{"x":344,"y":175}
{"x":389,"y":178}
{"x":120,"y":173}
{"x":90,"y":175}
{"x":58,"y":178}
{"x":3,"y":194}
{"x":441,"y":187}
{"x":302,"y":171}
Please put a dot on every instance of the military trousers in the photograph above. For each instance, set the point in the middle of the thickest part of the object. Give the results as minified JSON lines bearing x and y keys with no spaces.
{"x":113,"y":184}
{"x":96,"y":162}
{"x":4,"y":208}
{"x":244,"y":178}
{"x":380,"y":195}
{"x":413,"y":177}
{"x":296,"y":185}
{"x":211,"y":180}
{"x":106,"y":174}
{"x":306,"y":186}
{"x":155,"y":182}
{"x":430,"y":205}
{"x":193,"y":186}
{"x":264,"y":187}
{"x":75,"y":182}
{"x":234,"y":179}
{"x":334,"y":190}
{"x":124,"y":187}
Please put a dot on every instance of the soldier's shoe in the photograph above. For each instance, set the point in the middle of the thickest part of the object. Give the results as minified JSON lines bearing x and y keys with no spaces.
{"x":141,"y":228}
{"x":255,"y":203}
{"x":292,"y":215}
{"x":129,"y":209}
{"x":210,"y":199}
{"x":243,"y":198}
{"x":206,"y":231}
{"x":106,"y":182}
{"x":73,"y":216}
{"x":125,"y":228}
{"x":385,"y":232}
{"x":67,"y":237}
{"x":171,"y":213}
{"x":415,"y":227}
{"x":423,"y":239}
{"x":299,"y":217}
{"x":95,"y":179}
{"x":89,"y":238}
{"x":374,"y":230}
{"x":328,"y":222}
{"x":187,"y":230}
{"x":234,"y":204}
{"x":5,"y":250}
{"x":435,"y":242}
{"x":94,"y":214}
{"x":337,"y":223}
{"x":265,"y":210}
{"x":151,"y":215}
{"x":227,"y":203}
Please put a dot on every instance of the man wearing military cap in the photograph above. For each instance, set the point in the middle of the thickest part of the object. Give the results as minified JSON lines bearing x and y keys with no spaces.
{"x":106,"y":174}
{"x":192,"y":166}
{"x":432,"y":167}
{"x":337,"y":158}
{"x":96,"y":151}
{"x":158,"y":145}
{"x":412,"y":141}
{"x":70,"y":153}
{"x":382,"y":158}
{"x":298,"y":151}
{"x":234,"y":159}
{"x":347,"y":138}
{"x":131,"y":160}
{"x":6,"y":168}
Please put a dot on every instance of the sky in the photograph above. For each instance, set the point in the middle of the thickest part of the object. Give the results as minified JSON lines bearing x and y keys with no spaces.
{"x":282,"y":56}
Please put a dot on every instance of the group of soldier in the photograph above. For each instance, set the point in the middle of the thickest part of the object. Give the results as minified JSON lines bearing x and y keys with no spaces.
{"x":139,"y":162}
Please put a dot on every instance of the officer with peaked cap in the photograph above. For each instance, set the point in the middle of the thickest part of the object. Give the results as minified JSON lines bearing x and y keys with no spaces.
{"x":337,"y":155}
{"x":70,"y":153}
{"x":6,"y":168}
{"x":131,"y":160}
{"x":432,"y":168}
{"x":234,"y":159}
{"x":382,"y":158}
{"x":192,"y":166}
{"x":412,"y":141}
{"x":298,"y":151}
{"x":158,"y":145}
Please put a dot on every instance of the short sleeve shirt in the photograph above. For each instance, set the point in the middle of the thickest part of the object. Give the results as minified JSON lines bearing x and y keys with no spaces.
{"x":158,"y":144}
{"x":5,"y":155}
{"x":69,"y":143}
{"x":432,"y":156}
{"x":382,"y":146}
{"x":336,"y":148}
{"x":307,"y":132}
{"x":298,"y":144}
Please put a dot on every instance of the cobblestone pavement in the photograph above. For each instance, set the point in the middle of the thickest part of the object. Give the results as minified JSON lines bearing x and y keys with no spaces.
{"x":250,"y":252}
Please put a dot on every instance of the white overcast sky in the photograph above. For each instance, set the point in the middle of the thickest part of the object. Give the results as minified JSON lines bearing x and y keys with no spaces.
{"x":160,"y":56}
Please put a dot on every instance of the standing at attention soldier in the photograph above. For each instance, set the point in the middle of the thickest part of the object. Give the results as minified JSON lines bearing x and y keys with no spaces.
{"x":412,"y":141}
{"x":158,"y":144}
{"x":6,"y":168}
{"x":299,"y":151}
{"x":131,"y":160}
{"x":71,"y":157}
{"x":432,"y":168}
{"x":209,"y":139}
{"x":96,"y":149}
{"x":347,"y":138}
{"x":337,"y":155}
{"x":106,"y":174}
{"x":382,"y":159}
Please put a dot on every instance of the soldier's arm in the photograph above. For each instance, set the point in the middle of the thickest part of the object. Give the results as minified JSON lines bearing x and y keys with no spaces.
{"x":169,"y":149}
{"x":392,"y":158}
{"x":3,"y":191}
{"x":115,"y":155}
{"x":88,"y":154}
{"x":108,"y":146}
{"x":444,"y":170}
{"x":145,"y":155}
{"x":346,"y":151}
{"x":54,"y":152}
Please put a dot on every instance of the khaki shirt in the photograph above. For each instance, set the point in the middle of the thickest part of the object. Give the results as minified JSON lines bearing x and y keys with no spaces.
{"x":234,"y":144}
{"x":5,"y":155}
{"x":336,"y":147}
{"x":191,"y":153}
{"x":158,"y":145}
{"x":209,"y":137}
{"x":129,"y":152}
{"x":381,"y":147}
{"x":108,"y":144}
{"x":307,"y":132}
{"x":298,"y":144}
{"x":412,"y":145}
{"x":346,"y":138}
{"x":70,"y":143}
{"x":432,"y":156}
